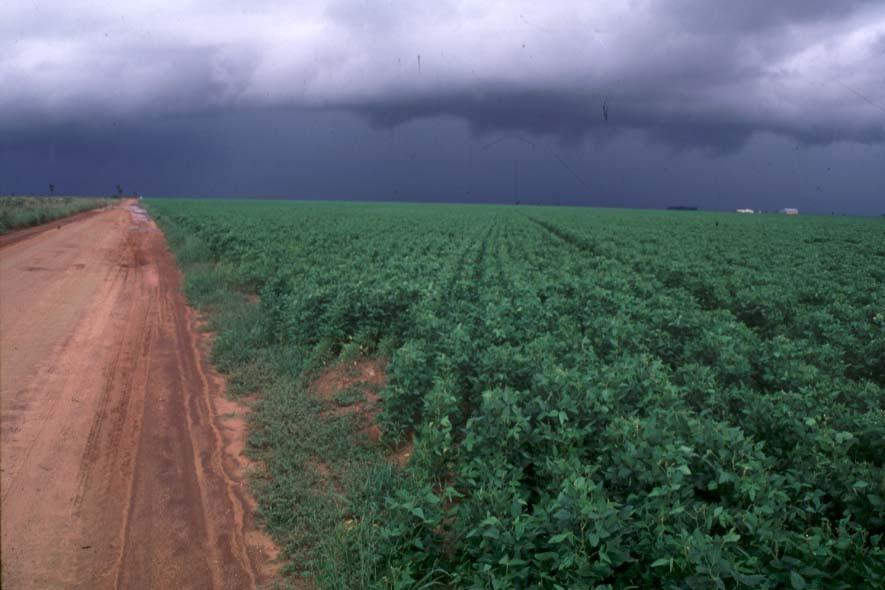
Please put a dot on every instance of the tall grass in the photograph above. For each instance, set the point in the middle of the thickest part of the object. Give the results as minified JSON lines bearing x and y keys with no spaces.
{"x":21,"y":212}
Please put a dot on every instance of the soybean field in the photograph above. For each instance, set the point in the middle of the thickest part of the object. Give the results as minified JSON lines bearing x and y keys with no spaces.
{"x":559,"y":398}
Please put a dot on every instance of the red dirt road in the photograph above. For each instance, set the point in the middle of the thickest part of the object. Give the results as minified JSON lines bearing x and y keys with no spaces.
{"x":121,"y":463}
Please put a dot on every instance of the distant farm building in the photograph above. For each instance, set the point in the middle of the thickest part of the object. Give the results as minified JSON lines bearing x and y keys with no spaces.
{"x":745,"y":211}
{"x":790,"y":211}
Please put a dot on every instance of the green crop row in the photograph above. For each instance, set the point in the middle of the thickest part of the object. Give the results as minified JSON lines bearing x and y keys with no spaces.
{"x":597,"y":398}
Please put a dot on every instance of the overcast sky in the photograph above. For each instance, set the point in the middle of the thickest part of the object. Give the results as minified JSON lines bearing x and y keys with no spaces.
{"x":635,"y":103}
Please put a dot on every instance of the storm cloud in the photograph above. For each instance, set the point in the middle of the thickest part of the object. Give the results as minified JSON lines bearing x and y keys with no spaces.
{"x":684,"y":73}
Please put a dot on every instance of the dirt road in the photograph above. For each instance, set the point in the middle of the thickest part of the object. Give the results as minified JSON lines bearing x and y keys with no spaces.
{"x":120,"y":454}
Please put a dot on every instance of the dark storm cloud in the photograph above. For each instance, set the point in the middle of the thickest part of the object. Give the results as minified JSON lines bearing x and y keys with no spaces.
{"x":685,"y":73}
{"x":336,"y":155}
{"x":711,"y":75}
{"x":571,"y":118}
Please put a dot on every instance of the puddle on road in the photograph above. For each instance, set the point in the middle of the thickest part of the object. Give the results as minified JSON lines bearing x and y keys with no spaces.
{"x":140,"y":217}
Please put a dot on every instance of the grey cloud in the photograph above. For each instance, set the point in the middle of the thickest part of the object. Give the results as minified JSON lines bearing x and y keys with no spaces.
{"x":686,"y":73}
{"x":572,"y":118}
{"x":756,"y":15}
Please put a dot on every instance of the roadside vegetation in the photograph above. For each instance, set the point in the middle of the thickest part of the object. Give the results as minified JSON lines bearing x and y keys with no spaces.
{"x":21,"y":212}
{"x":572,"y":398}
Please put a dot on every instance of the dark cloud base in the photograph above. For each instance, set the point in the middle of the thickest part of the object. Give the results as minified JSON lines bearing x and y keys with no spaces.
{"x":572,"y":118}
{"x":311,"y":154}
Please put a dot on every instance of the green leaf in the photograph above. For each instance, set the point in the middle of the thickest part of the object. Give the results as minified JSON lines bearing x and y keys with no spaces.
{"x":664,"y":561}
{"x":842,"y":437}
{"x":797,"y":581}
{"x":731,"y":537}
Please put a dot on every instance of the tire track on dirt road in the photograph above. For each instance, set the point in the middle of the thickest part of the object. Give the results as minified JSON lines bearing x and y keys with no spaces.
{"x":120,"y":468}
